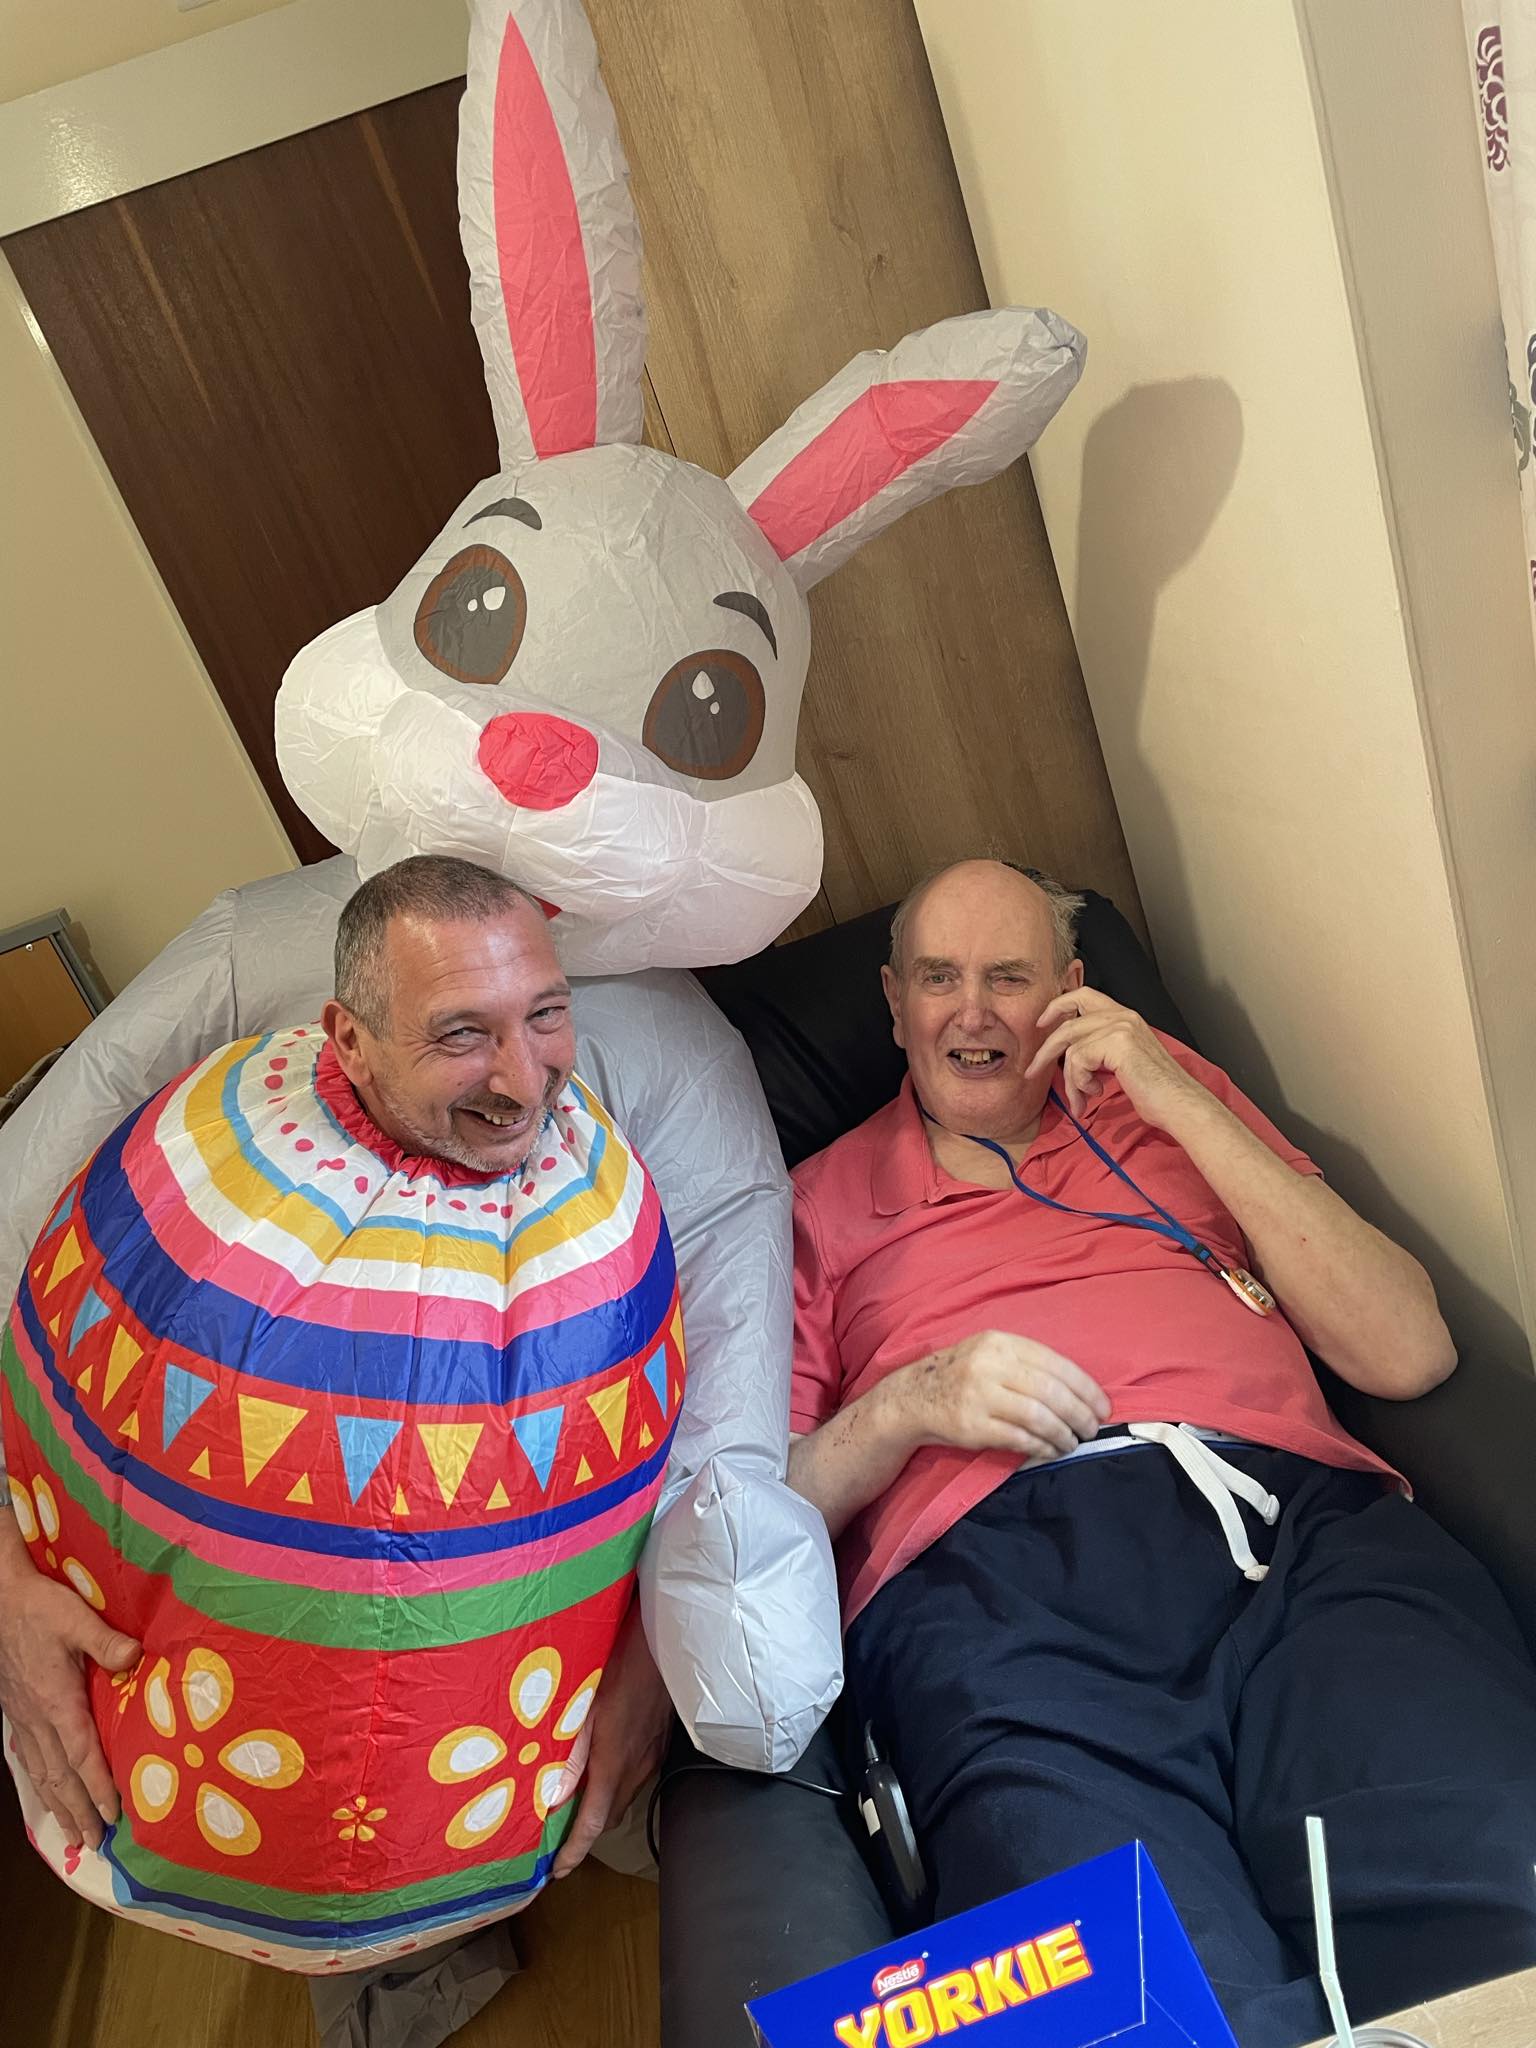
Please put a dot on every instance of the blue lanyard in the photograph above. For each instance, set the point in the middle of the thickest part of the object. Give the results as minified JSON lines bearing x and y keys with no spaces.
{"x":1169,"y":1226}
{"x":1252,"y":1293}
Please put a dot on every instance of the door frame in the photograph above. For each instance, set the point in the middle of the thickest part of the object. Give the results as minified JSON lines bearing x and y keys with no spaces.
{"x":217,"y":95}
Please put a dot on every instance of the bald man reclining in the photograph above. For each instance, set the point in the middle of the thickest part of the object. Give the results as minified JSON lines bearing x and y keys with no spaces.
{"x":1110,"y":1566}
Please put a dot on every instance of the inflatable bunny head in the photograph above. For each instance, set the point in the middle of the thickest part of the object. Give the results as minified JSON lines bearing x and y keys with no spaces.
{"x":592,"y":679}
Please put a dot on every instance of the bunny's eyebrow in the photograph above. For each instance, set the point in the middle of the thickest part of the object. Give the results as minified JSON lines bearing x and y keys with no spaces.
{"x":751,"y":608}
{"x":509,"y":508}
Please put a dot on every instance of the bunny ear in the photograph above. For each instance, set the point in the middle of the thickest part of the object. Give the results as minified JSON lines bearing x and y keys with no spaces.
{"x":550,"y":233}
{"x":950,"y":405}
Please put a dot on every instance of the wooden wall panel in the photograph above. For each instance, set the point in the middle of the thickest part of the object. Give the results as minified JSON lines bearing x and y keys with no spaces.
{"x":276,"y":358}
{"x":800,"y":204}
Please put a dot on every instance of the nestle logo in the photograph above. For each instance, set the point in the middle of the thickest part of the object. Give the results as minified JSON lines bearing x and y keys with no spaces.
{"x":898,"y":1977}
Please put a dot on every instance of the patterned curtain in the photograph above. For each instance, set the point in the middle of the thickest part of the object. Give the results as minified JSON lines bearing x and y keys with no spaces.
{"x":1502,"y":38}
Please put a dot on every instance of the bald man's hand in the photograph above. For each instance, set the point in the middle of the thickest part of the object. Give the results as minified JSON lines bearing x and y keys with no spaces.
{"x":993,"y":1391}
{"x":1093,"y":1036}
{"x":996,"y":1391}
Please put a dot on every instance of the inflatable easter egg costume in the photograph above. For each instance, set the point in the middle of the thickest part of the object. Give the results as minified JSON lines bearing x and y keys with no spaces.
{"x":363,"y":1449}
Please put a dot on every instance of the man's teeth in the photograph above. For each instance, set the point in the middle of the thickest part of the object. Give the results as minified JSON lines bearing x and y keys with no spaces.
{"x":975,"y":1059}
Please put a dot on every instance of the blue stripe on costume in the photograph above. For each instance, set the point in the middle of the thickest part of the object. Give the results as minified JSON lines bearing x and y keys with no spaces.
{"x":294,"y":1532}
{"x":130,"y":1891}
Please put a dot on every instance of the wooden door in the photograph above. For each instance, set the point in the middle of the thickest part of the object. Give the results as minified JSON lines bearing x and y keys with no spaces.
{"x":275,"y":357}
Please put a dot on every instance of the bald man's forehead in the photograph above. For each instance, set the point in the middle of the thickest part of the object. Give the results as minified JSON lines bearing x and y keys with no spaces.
{"x":979,"y":900}
{"x":989,"y":875}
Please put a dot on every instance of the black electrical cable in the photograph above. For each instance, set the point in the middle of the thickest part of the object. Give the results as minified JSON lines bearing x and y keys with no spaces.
{"x":714,"y":1770}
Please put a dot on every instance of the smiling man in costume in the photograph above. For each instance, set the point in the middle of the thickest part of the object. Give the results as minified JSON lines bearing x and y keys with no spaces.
{"x":341,"y":1385}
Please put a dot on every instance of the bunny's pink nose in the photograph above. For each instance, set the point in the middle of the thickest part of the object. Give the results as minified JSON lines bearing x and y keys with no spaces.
{"x":537,"y":761}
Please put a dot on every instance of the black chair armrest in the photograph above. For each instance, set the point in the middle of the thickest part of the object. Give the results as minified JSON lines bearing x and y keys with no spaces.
{"x":1468,"y":1449}
{"x":762,"y":1883}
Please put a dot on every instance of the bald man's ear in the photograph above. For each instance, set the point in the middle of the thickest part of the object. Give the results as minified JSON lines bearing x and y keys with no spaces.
{"x":1073,"y":978}
{"x":890,"y":982}
{"x":345,"y":1034}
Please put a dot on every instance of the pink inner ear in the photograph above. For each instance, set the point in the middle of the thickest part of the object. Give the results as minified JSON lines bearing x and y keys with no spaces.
{"x":874,"y":440}
{"x":544,"y":283}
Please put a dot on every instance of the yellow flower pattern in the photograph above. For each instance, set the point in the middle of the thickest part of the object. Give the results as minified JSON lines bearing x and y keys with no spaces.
{"x":471,"y":1752}
{"x":358,"y":1819}
{"x":265,"y":1758}
{"x":36,"y":1509}
{"x":270,"y":1760}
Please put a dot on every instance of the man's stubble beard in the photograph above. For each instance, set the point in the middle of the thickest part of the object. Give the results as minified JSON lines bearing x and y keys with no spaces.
{"x":453,"y":1150}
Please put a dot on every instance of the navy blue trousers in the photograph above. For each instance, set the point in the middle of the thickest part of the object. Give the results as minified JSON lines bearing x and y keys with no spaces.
{"x":1078,"y":1662}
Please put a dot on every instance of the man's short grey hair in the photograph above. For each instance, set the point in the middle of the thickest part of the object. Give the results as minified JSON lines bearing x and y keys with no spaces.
{"x":1066,"y":907}
{"x":436,"y":887}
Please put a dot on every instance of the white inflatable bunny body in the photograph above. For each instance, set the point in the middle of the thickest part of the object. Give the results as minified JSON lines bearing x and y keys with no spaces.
{"x":592,"y":679}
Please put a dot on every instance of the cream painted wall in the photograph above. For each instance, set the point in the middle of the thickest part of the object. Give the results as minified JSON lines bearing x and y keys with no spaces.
{"x":1403,"y":151}
{"x":1213,"y":499}
{"x":124,"y":795}
{"x":44,"y":42}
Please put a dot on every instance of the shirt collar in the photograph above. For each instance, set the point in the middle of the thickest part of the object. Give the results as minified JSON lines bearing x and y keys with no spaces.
{"x":903,"y":1171}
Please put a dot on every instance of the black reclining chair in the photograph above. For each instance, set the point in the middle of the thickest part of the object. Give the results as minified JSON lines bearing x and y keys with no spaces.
{"x":762,"y":1881}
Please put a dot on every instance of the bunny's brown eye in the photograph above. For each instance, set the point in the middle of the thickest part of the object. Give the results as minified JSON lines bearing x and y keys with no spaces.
{"x":470,"y":623}
{"x":706,"y":716}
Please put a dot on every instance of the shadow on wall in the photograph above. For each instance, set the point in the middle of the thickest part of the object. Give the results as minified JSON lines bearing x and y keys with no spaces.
{"x":1157,"y":468}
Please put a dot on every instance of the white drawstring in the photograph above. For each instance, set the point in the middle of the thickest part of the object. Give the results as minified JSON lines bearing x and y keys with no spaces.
{"x":1219,"y":1482}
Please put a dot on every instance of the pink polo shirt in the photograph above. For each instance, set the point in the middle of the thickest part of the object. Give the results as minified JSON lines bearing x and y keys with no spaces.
{"x":894,"y":1259}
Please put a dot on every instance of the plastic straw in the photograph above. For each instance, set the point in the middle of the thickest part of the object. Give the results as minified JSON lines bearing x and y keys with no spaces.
{"x":1322,"y":1917}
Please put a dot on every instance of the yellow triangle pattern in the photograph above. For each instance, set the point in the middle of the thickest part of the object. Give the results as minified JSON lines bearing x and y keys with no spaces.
{"x":498,"y":1497}
{"x":300,"y":1491}
{"x":401,"y":1507}
{"x":646,"y":1439}
{"x":53,"y":1323}
{"x":610,"y":1407}
{"x":677,"y":1330}
{"x":86,"y":1379}
{"x":125,"y":1356}
{"x":264,"y":1427}
{"x":200,"y":1466}
{"x":450,"y":1446}
{"x":131,"y":1427}
{"x":583,"y":1473}
{"x":70,"y":1256}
